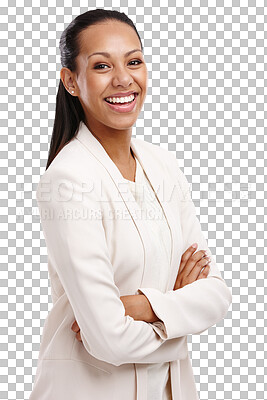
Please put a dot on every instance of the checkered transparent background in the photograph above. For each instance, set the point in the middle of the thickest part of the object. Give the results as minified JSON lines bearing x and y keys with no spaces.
{"x":206,"y":103}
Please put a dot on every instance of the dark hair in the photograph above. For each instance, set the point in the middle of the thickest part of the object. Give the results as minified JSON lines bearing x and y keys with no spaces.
{"x":69,"y":111}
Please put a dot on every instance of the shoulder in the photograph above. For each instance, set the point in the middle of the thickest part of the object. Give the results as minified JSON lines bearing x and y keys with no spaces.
{"x":69,"y":171}
{"x":75,"y":159}
{"x":71,"y":157}
{"x":72,"y":160}
{"x":164,"y":159}
{"x":168,"y":163}
{"x":155,"y":150}
{"x":152,"y":147}
{"x":74,"y":163}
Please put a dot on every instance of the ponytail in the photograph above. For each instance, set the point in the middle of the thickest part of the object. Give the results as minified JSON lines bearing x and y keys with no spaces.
{"x":68,"y":115}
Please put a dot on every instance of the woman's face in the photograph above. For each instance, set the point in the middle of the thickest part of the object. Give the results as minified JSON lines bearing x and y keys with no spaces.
{"x":122,"y":69}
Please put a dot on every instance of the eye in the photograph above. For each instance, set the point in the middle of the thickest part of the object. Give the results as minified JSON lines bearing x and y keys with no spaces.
{"x":96,"y":67}
{"x":138,"y":61}
{"x":133,"y":61}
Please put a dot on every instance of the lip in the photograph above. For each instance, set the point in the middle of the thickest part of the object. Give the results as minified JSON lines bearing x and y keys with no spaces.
{"x":123,"y":108}
{"x":123,"y":94}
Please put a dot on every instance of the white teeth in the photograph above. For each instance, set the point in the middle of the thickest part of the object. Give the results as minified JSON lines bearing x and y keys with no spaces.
{"x":120,"y":99}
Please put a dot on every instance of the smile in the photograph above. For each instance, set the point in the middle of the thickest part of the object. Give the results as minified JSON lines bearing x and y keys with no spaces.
{"x":122,"y":104}
{"x":121,"y":100}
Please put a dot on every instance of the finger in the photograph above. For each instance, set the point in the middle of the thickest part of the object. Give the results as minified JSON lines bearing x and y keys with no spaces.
{"x":190,"y":263}
{"x":204,"y":273}
{"x":185,"y":257}
{"x":78,"y":336}
{"x":197,"y":269}
{"x":75,"y":327}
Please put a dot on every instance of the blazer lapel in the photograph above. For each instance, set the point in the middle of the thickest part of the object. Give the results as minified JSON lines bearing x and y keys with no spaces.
{"x":162,"y":186}
{"x":158,"y":182}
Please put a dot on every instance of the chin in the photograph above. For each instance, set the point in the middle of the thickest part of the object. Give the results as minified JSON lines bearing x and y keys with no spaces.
{"x":122,"y":123}
{"x":122,"y":126}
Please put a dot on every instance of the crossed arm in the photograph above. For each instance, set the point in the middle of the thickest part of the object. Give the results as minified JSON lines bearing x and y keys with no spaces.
{"x":136,"y":305}
{"x":139,"y":308}
{"x":192,"y":267}
{"x":123,"y":338}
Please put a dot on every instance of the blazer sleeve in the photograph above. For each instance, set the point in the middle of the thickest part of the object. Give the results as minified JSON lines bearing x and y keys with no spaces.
{"x":201,"y":304}
{"x":76,"y":245}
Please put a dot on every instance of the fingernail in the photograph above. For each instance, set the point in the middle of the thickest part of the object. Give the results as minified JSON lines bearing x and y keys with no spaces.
{"x":194,"y":245}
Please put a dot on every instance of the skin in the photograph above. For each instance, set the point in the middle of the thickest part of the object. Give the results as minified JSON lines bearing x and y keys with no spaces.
{"x":91,"y":84}
{"x":99,"y":76}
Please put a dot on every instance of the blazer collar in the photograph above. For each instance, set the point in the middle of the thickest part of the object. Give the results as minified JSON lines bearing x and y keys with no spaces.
{"x":158,"y":182}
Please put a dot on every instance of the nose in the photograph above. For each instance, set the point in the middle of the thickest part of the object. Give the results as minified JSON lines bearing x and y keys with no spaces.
{"x":122,"y":77}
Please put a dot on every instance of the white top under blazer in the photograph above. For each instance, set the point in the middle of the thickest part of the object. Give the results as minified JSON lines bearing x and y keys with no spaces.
{"x":158,"y":378}
{"x":99,"y":248}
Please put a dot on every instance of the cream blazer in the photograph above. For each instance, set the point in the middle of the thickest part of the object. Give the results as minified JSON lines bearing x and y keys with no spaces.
{"x":99,"y":249}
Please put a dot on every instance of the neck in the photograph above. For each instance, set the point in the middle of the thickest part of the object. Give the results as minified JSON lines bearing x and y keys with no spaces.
{"x":117,"y":143}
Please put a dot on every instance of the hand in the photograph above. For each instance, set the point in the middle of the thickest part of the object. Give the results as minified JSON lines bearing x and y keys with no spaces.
{"x":137,"y":306}
{"x":132,"y":307}
{"x":190,"y":267}
{"x":75,"y":328}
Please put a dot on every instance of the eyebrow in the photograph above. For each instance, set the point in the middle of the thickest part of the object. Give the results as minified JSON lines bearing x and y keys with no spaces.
{"x":105,"y":54}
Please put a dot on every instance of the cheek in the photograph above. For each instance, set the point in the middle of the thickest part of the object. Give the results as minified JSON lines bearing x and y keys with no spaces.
{"x":143,"y":78}
{"x":90,"y":91}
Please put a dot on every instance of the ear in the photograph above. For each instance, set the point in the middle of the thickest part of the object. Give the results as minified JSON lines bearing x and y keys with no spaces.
{"x":66,"y":76}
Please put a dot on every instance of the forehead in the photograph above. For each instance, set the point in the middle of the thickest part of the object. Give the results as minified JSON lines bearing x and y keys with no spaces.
{"x":111,"y":36}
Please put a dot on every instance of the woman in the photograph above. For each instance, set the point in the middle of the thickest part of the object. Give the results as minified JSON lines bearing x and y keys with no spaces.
{"x":118,"y":220}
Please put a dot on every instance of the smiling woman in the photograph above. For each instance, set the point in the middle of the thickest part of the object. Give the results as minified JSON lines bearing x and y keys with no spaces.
{"x":127,"y":287}
{"x":116,"y":49}
{"x":113,"y":60}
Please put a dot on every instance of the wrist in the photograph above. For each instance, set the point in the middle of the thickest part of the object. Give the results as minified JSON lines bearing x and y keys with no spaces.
{"x":148,"y":313}
{"x":139,"y":308}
